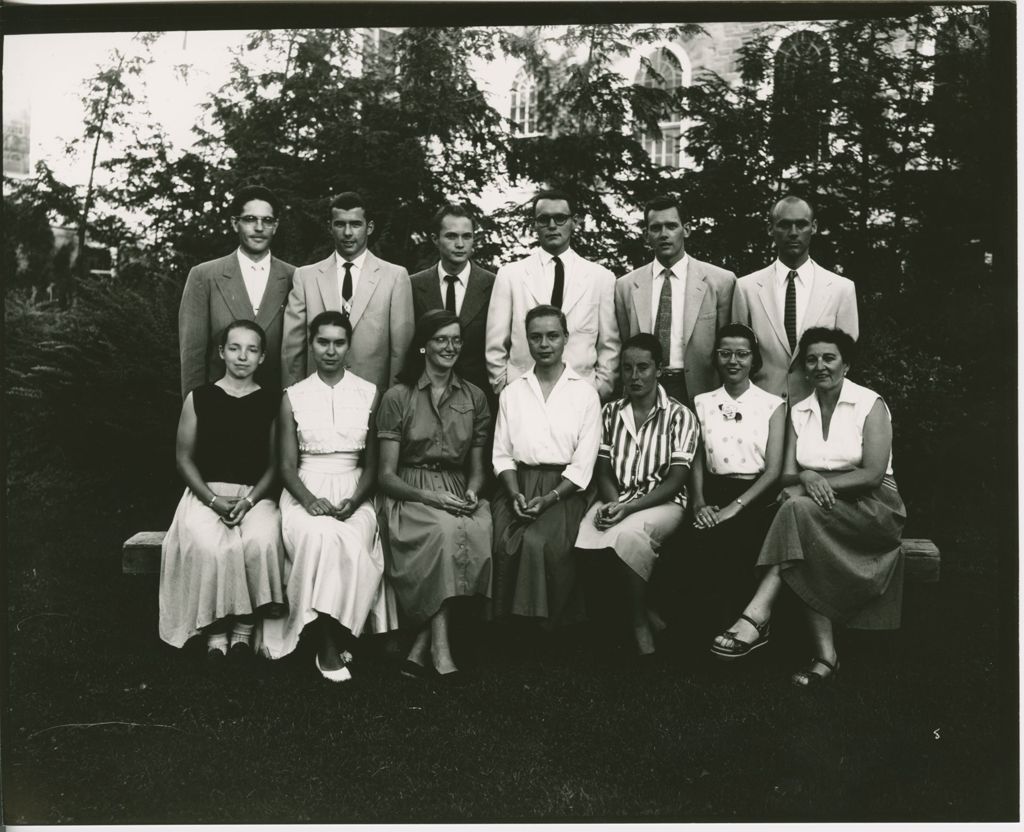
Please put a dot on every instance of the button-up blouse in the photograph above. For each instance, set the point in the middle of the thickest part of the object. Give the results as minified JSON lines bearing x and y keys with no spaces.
{"x":735,"y":431}
{"x":332,"y":419}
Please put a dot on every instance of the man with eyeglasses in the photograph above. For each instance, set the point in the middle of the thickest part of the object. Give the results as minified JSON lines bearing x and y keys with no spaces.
{"x":680,"y":300}
{"x":249,"y":284}
{"x":791,"y":295}
{"x":556,"y":275}
{"x":376,"y":296}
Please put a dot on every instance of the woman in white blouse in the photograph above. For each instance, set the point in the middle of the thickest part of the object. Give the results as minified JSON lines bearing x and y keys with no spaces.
{"x":735,"y":475}
{"x":835,"y":541}
{"x":328,"y":458}
{"x":545,"y":446}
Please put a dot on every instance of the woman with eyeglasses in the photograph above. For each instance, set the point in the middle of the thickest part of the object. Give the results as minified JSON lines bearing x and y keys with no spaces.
{"x":432,"y":427}
{"x":734,"y":479}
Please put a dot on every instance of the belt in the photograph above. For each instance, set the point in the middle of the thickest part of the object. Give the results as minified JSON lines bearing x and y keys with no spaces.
{"x":437,"y":466}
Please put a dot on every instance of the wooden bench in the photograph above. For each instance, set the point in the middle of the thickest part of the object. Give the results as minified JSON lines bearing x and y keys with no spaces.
{"x":140,"y":555}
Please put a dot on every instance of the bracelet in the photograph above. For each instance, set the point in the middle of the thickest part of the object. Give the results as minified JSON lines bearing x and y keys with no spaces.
{"x":213,"y":499}
{"x":248,"y":499}
{"x":557,"y":495}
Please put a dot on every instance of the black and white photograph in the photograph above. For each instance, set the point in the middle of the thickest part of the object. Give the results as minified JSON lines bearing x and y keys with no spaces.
{"x":510,"y":413}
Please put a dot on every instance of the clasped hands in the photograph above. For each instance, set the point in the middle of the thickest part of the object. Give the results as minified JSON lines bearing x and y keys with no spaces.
{"x":707,"y":517}
{"x":532,"y":509}
{"x":452,"y":503}
{"x":322,"y":507}
{"x":611,"y":513}
{"x":815,"y":486}
{"x":231,"y":509}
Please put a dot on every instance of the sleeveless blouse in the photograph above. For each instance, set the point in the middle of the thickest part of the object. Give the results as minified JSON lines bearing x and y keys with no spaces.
{"x":332,"y":419}
{"x":233,"y":433}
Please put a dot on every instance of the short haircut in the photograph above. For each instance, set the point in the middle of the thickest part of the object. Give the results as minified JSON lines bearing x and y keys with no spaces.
{"x":646,"y":341}
{"x":663,"y":203}
{"x":738,"y":330}
{"x":451,"y":209}
{"x":349,"y":201}
{"x":427,"y":327}
{"x":553,"y":194}
{"x":843,"y":341}
{"x":546,"y":310}
{"x":248,"y":193}
{"x":789,"y":199}
{"x":330,"y":317}
{"x":243,"y":323}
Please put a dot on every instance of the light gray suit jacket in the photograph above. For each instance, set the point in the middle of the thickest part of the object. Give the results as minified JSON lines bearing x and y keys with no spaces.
{"x":381,"y":315}
{"x":215,"y":296}
{"x":832,"y":303}
{"x":707,"y":306}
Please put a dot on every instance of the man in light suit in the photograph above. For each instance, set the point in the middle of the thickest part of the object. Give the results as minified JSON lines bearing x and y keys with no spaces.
{"x":376,"y":296}
{"x":677,"y":298}
{"x":556,"y":275}
{"x":791,"y":295}
{"x":249,"y":284}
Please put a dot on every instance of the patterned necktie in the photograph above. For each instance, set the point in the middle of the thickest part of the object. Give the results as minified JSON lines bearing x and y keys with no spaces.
{"x":663,"y":321}
{"x":449,"y":295}
{"x":559,"y":288}
{"x":790,"y":314}
{"x":346,"y":288}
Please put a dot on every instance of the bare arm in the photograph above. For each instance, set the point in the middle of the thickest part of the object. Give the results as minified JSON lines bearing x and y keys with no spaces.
{"x":184,"y":457}
{"x":607,"y":487}
{"x":288,"y":462}
{"x":877,"y":445}
{"x":773,"y":462}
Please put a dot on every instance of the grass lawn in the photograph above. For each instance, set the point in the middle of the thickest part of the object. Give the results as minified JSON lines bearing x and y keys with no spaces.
{"x":921,"y":724}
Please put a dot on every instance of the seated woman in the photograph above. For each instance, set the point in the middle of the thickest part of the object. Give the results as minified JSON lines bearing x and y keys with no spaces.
{"x":222,"y":559}
{"x":835,"y":540}
{"x":734,"y":479}
{"x":545,"y":445}
{"x":328,"y":454}
{"x":432,"y":428}
{"x":648,"y":443}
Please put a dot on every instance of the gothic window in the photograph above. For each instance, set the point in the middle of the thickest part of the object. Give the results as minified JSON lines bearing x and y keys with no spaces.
{"x":523,"y":105}
{"x":800,"y":102}
{"x":663,"y":71}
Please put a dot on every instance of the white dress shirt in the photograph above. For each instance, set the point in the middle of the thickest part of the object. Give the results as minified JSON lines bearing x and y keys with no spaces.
{"x":735,"y":446}
{"x":678,"y":272}
{"x":568,"y":258}
{"x":564,"y":430}
{"x":254,"y":275}
{"x":460,"y":285}
{"x":357,"y":269}
{"x":804,"y":282}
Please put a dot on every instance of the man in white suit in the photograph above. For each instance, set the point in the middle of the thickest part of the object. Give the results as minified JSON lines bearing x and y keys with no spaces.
{"x":376,"y":296}
{"x":556,"y":275}
{"x":677,"y":298}
{"x":791,"y":295}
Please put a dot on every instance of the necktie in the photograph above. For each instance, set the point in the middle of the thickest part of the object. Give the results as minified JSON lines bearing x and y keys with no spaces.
{"x":559,"y":288}
{"x":346,"y":287}
{"x":449,"y":295}
{"x":790,"y":314}
{"x":663,"y":321}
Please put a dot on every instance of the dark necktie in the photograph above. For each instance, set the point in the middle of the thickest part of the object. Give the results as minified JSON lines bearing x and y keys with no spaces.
{"x":346,"y":286}
{"x":663,"y":321}
{"x":790,"y":314}
{"x":449,"y":295}
{"x":559,"y":288}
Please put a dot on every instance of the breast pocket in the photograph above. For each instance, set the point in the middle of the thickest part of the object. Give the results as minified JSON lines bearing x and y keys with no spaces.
{"x":584,"y":318}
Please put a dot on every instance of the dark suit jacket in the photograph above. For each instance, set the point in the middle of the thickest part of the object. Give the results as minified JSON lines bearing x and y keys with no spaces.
{"x":215,"y":296}
{"x":426,"y":295}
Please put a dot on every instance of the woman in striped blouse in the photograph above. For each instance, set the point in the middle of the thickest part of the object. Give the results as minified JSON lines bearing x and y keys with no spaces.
{"x":647,"y":446}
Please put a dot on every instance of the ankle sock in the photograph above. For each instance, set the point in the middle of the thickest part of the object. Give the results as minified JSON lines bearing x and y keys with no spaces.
{"x":241,"y":634}
{"x":217,"y":641}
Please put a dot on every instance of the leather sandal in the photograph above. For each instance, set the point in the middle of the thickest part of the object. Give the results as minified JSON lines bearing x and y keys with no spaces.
{"x":807,"y":678}
{"x":740,"y":648}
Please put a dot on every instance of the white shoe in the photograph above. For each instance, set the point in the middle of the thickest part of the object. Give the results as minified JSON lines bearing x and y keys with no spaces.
{"x":342,"y":674}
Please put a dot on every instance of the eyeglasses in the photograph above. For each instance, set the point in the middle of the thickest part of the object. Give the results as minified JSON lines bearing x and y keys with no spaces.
{"x":726,"y":355}
{"x":447,"y":341}
{"x":249,"y":219}
{"x":546,"y":219}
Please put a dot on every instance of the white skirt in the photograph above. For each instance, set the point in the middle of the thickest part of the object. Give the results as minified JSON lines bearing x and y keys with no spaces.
{"x":637,"y":539}
{"x":333,"y":567}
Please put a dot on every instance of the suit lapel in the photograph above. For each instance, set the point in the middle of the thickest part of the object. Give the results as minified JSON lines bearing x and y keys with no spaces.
{"x":643,"y":288}
{"x":535,"y":280}
{"x":475,"y":298}
{"x":576,"y":284}
{"x":327,"y":280}
{"x":696,"y":286}
{"x":274,"y":295}
{"x":232,"y":288}
{"x":432,"y":288}
{"x":367,"y":286}
{"x":821,"y":288}
{"x":771,"y":306}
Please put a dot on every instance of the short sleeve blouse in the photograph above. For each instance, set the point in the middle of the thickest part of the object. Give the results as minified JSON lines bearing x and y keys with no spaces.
{"x":735,"y":431}
{"x":332,"y":419}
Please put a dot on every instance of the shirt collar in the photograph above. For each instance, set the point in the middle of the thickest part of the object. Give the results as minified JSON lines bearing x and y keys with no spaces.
{"x":678,"y":269}
{"x":660,"y":402}
{"x":463,"y":276}
{"x":323,"y":385}
{"x":424,"y":381}
{"x":847,"y":395}
{"x":358,"y":262}
{"x":245,"y":263}
{"x":804,"y":274}
{"x":565,"y":256}
{"x":568,"y":374}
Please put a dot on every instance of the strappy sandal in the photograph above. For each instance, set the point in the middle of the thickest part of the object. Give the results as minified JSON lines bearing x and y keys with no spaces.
{"x":740,"y":648}
{"x":807,"y":678}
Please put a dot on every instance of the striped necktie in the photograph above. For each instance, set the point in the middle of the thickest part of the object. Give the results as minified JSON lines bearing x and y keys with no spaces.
{"x":663,"y":321}
{"x":790,"y":314}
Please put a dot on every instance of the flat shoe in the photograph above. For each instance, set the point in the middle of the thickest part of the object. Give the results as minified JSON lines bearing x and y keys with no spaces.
{"x":412,"y":670}
{"x":342,"y":674}
{"x":807,"y":678}
{"x":741,"y":648}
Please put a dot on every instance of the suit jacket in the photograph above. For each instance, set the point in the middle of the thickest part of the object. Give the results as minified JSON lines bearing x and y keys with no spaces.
{"x":426,"y":295}
{"x":381,"y":315}
{"x":832,"y":303}
{"x":589,"y":306}
{"x":707,"y":306}
{"x":215,"y":296}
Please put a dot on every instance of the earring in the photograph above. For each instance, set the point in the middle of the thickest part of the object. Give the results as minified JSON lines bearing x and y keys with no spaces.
{"x":422,"y":351}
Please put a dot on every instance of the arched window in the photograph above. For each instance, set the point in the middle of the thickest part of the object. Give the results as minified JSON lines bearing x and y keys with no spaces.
{"x":800,"y":101}
{"x":523,"y":106}
{"x":663,"y":71}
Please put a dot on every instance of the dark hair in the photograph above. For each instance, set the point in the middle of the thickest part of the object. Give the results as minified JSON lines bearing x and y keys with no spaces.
{"x":426,"y":327}
{"x":789,"y":199}
{"x":646,"y":341}
{"x":243,"y":323}
{"x":546,"y":310}
{"x":248,"y":193}
{"x":663,"y":203}
{"x":738,"y":330}
{"x":330,"y":317}
{"x":349,"y":201}
{"x":451,"y":209}
{"x":552,"y":194}
{"x":844,"y":342}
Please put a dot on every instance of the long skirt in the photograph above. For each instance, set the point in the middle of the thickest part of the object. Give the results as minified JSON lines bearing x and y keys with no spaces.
{"x":333,"y":567}
{"x":209,"y":571}
{"x":844,"y":563}
{"x":534,"y":568}
{"x":635,"y":540}
{"x":435,"y":555}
